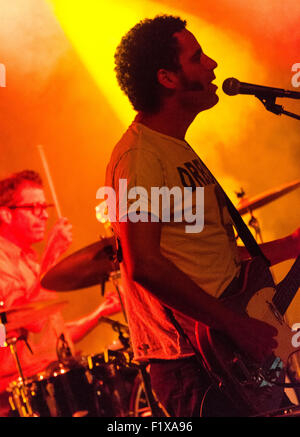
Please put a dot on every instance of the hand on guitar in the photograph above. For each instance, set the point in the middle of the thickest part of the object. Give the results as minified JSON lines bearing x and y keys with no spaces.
{"x":253,"y":337}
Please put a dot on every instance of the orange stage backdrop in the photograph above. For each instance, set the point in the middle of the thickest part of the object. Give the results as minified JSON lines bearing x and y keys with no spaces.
{"x":56,"y":61}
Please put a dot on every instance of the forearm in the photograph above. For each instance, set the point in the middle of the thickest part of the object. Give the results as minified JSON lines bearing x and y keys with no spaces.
{"x":78,"y":329}
{"x":276,"y":251}
{"x":176,"y":290}
{"x":58,"y":242}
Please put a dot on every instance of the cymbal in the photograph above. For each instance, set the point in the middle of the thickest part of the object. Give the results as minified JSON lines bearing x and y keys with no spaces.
{"x":20,"y":317}
{"x":87,"y":267}
{"x":249,"y":204}
{"x":114,"y":324}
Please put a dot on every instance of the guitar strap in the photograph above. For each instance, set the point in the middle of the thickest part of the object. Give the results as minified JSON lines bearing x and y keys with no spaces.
{"x":239,"y":224}
{"x":244,"y":232}
{"x":254,"y":251}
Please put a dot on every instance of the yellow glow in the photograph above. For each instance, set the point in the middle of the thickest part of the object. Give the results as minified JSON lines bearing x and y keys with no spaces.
{"x":95,"y":29}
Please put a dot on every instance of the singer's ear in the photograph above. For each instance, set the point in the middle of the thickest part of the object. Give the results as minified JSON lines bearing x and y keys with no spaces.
{"x":167,"y":78}
{"x":5,"y":215}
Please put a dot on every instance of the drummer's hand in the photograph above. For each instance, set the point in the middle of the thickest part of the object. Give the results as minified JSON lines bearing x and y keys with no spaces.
{"x":110,"y":305}
{"x":60,"y":237}
{"x":59,"y":240}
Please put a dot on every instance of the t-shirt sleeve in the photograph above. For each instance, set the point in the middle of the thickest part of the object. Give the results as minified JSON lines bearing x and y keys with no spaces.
{"x":136,"y":174}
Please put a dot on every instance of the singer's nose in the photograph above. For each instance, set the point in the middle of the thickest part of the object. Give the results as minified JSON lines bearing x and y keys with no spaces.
{"x":209,"y":62}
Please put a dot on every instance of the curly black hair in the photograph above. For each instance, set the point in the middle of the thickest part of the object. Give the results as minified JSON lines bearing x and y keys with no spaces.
{"x":147,"y":47}
{"x":9,"y":185}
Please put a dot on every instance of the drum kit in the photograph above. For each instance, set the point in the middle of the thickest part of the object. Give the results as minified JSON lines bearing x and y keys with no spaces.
{"x":248,"y":205}
{"x":109,"y":384}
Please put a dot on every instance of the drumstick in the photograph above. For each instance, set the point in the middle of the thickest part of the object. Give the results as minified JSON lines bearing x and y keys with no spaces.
{"x":51,"y":185}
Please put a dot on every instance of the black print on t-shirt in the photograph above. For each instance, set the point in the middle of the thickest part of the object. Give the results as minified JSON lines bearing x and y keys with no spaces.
{"x":193,"y":174}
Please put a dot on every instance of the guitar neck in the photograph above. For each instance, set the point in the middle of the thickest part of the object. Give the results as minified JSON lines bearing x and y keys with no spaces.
{"x":287,"y":288}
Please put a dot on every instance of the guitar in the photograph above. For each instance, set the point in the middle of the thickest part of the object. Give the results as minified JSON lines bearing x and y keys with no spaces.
{"x":254,"y":388}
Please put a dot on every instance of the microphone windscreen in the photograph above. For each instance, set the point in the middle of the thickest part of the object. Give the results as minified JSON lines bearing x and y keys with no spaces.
{"x":231,"y":86}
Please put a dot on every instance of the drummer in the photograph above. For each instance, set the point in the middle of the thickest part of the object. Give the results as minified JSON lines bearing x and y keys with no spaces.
{"x":23,"y":218}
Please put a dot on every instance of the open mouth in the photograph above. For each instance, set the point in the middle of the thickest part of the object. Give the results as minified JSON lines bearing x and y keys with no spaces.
{"x":212,"y":85}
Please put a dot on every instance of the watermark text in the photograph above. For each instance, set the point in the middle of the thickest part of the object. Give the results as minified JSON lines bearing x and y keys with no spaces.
{"x":163,"y":204}
{"x":296,"y":76}
{"x":2,"y":76}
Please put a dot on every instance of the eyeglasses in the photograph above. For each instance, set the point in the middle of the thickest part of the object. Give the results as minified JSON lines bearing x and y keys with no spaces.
{"x":36,"y":208}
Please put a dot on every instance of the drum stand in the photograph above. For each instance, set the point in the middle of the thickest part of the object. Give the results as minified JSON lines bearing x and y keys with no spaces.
{"x":253,"y":222}
{"x":11,"y":342}
{"x":25,"y":407}
{"x":155,"y":407}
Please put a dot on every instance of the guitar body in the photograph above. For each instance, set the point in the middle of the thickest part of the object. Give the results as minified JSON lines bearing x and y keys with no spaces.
{"x":252,"y":387}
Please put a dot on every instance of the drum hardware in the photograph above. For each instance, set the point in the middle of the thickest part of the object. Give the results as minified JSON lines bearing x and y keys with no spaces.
{"x":114,"y":278}
{"x":63,"y":352}
{"x":247,"y":205}
{"x":139,"y":404}
{"x":26,"y":407}
{"x":152,"y":403}
{"x":11,"y":342}
{"x":119,"y":385}
{"x":59,"y":391}
{"x":84,"y":268}
{"x":157,"y":409}
{"x":73,"y":389}
{"x":253,"y":223}
{"x":120,"y":329}
{"x":16,"y":318}
{"x":113,"y":377}
{"x":92,"y":265}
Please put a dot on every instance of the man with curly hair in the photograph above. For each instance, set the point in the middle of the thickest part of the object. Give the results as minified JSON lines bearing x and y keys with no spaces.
{"x":168,"y":79}
{"x":23,"y":218}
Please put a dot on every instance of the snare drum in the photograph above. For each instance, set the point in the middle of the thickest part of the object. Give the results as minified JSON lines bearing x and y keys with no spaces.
{"x":61,"y":392}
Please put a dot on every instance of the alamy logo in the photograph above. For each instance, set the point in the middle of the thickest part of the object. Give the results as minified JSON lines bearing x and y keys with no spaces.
{"x":136,"y":204}
{"x":2,"y":335}
{"x":296,"y":76}
{"x":296,"y":337}
{"x":2,"y":76}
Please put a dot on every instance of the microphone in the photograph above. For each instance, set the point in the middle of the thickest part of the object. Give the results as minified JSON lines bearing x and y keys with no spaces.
{"x":232,"y":87}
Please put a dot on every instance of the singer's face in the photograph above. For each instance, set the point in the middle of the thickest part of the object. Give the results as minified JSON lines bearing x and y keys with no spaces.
{"x":29,"y":224}
{"x":195,"y":88}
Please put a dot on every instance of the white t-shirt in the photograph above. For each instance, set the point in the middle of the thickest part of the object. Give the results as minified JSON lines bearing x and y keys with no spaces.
{"x":146,"y":158}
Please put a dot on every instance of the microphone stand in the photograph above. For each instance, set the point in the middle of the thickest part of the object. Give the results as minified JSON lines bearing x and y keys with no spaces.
{"x":270,"y":105}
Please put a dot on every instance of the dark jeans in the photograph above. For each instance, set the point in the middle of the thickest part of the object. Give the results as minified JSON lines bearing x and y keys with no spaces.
{"x":185,"y":390}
